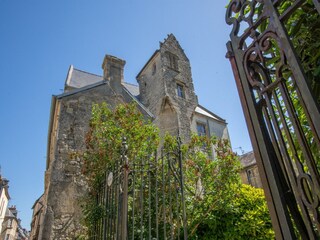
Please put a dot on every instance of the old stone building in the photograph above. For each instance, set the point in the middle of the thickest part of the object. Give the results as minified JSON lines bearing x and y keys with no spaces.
{"x":165,"y":94}
{"x":36,"y":218}
{"x":249,"y":173}
{"x":4,"y":199}
{"x":10,"y":224}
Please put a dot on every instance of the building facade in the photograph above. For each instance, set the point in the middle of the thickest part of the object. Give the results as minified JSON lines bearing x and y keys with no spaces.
{"x":10,"y":224}
{"x":165,"y":94}
{"x":4,"y":199}
{"x":249,"y":173}
{"x":36,"y":218}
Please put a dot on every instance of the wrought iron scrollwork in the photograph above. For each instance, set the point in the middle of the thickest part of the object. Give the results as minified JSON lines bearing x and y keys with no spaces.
{"x":282,"y":115}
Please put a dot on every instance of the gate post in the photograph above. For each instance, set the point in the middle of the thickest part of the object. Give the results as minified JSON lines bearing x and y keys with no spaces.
{"x":124,"y":207}
{"x":184,"y":216}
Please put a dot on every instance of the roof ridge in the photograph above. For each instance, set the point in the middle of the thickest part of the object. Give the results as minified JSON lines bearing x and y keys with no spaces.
{"x":138,"y":102}
{"x":215,"y":115}
{"x":76,"y":90}
{"x":136,"y":85}
{"x":87,"y":72}
{"x":101,"y":76}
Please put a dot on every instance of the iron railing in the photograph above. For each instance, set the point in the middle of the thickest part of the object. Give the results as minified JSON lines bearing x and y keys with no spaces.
{"x":143,"y":198}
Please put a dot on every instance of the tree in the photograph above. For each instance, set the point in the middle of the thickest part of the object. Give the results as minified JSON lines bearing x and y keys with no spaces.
{"x":245,"y":217}
{"x":104,"y":142}
{"x":214,"y":196}
{"x":218,"y":205}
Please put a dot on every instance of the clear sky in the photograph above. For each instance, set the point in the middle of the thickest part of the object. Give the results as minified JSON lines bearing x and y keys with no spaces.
{"x":39,"y":39}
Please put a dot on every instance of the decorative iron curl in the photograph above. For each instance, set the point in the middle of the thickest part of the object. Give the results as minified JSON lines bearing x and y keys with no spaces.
{"x":309,"y":197}
{"x":238,"y":7}
{"x":254,"y":62}
{"x":233,"y":7}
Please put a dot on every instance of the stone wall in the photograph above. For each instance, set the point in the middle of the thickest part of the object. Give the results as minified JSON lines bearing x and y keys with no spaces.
{"x":158,"y":89}
{"x":66,"y":185}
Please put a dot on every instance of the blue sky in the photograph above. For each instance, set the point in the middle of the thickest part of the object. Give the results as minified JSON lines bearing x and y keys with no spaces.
{"x":39,"y":39}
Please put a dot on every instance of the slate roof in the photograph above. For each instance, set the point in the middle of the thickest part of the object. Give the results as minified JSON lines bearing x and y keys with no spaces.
{"x":78,"y":80}
{"x":202,"y":110}
{"x":9,"y":213}
{"x":247,"y":159}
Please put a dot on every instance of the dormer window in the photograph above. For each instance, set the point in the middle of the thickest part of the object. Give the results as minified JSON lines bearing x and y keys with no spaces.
{"x":180,"y":90}
{"x":173,"y":61}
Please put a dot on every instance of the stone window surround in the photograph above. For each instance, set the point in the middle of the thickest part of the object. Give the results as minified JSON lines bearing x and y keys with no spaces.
{"x":180,"y":89}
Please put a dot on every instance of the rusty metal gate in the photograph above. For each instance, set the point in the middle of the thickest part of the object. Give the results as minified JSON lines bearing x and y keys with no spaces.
{"x":143,"y":198}
{"x":281,"y":107}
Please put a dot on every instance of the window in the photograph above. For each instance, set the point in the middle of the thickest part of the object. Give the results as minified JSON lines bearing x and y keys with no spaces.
{"x":180,"y":90}
{"x":201,"y":128}
{"x":7,"y":237}
{"x":173,"y":61}
{"x":202,"y":132}
{"x":154,"y":69}
{"x":9,"y":223}
{"x":2,"y":207}
{"x":251,"y":177}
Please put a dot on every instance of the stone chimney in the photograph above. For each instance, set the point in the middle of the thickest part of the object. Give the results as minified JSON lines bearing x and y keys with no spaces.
{"x":113,"y":71}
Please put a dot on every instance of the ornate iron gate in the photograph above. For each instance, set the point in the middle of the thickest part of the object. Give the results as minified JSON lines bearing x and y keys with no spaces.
{"x":281,"y":107}
{"x":143,"y":198}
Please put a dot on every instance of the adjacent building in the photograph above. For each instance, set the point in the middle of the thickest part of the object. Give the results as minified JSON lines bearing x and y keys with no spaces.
{"x":10,"y":224}
{"x":4,"y":199}
{"x":10,"y":228}
{"x":36,"y":218}
{"x":249,"y":173}
{"x":165,"y":94}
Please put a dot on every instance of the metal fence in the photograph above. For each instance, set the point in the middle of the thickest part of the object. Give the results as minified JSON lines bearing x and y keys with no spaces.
{"x":143,"y":198}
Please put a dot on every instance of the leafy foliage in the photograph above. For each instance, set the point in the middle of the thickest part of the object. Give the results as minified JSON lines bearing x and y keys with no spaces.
{"x":245,"y":217}
{"x":303,"y":29}
{"x":104,"y":143}
{"x":217,"y":205}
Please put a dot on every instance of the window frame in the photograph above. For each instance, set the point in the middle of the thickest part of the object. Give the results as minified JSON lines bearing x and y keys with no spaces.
{"x":205,"y":128}
{"x":180,"y":90}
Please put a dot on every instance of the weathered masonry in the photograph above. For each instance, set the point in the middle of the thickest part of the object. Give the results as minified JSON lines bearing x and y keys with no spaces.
{"x":165,"y":94}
